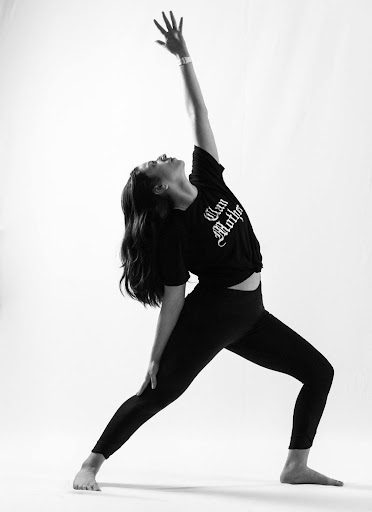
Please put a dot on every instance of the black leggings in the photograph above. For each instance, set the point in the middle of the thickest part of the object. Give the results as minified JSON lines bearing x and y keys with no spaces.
{"x":236,"y":320}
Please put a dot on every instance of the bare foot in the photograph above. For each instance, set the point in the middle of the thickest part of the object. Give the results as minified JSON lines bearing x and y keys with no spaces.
{"x":86,"y":480}
{"x":306,"y":475}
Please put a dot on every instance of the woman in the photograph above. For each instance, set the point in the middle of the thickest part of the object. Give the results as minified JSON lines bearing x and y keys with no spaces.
{"x":175,"y":224}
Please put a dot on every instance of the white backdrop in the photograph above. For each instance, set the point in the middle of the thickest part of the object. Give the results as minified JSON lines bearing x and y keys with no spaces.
{"x":86,"y":95}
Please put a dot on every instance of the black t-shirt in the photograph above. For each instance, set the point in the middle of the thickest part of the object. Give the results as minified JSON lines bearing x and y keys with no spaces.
{"x":213,"y":238}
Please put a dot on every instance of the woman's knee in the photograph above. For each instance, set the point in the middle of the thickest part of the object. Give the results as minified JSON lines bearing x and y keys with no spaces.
{"x":317,"y":372}
{"x":323,"y":373}
{"x":328,"y":371}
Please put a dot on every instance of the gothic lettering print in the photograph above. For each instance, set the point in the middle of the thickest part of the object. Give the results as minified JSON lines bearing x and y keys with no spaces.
{"x":222,"y":229}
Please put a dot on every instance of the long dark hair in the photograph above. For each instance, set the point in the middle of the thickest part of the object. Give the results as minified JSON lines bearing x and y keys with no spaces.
{"x":144,"y":216}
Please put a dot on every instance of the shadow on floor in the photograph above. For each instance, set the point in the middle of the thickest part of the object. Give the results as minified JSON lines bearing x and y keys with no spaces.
{"x":332,"y":497}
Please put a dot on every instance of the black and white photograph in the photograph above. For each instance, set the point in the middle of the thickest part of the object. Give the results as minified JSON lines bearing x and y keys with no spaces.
{"x":186,"y":255}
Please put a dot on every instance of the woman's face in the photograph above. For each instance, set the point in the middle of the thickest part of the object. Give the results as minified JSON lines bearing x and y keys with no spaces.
{"x":163,"y":167}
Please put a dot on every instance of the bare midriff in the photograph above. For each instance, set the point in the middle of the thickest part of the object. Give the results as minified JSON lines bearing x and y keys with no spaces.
{"x":249,"y":284}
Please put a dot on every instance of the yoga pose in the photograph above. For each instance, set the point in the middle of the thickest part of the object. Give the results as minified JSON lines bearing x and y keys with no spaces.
{"x":175,"y":224}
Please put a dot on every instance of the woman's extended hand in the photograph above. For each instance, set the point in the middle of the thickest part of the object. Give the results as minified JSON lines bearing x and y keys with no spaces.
{"x":175,"y":42}
{"x":151,"y":375}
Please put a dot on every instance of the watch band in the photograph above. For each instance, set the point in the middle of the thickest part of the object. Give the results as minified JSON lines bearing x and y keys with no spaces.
{"x":185,"y":60}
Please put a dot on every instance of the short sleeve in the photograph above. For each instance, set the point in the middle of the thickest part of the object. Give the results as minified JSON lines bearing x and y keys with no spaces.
{"x":172,"y":263}
{"x":205,"y":166}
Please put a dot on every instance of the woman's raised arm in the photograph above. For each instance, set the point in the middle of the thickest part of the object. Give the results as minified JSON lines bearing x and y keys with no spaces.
{"x":175,"y":44}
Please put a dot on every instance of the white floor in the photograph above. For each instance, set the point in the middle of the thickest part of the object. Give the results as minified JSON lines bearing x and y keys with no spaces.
{"x":186,"y":476}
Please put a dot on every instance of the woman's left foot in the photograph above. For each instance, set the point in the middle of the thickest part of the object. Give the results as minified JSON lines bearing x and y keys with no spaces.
{"x":306,"y":475}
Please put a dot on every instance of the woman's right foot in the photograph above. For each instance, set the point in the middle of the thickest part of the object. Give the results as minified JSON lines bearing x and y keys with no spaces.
{"x":86,"y":479}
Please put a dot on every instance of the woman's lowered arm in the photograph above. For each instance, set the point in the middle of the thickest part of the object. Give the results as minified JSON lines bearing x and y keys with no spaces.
{"x":173,"y":302}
